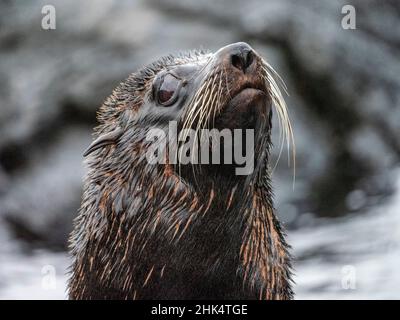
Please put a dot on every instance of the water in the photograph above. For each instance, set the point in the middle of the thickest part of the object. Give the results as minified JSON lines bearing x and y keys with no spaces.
{"x":353,"y":258}
{"x":32,"y":276}
{"x":350,"y":258}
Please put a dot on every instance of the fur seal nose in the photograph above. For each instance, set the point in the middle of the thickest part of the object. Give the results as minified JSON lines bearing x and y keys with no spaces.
{"x":241,"y":55}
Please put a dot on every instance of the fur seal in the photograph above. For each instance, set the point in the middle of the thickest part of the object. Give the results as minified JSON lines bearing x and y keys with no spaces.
{"x":194,"y":231}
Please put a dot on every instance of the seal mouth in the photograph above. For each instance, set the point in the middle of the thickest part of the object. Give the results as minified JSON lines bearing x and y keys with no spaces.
{"x":249,"y":92}
{"x":252,"y":89}
{"x":245,"y":109}
{"x":252,"y":84}
{"x":247,"y":97}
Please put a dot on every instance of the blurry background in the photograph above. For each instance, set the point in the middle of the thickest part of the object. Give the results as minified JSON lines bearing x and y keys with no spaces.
{"x":342,"y":217}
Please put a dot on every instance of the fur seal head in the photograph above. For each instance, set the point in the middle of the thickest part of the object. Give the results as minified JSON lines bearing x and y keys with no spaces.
{"x":234,"y":88}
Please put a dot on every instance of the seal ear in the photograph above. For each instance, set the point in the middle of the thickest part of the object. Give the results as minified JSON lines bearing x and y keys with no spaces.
{"x":104,"y":140}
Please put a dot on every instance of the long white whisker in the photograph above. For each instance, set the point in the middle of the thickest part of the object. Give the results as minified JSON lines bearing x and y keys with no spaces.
{"x":283,"y":116}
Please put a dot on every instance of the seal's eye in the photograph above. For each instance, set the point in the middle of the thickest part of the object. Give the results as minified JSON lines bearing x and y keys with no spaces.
{"x":168,"y":90}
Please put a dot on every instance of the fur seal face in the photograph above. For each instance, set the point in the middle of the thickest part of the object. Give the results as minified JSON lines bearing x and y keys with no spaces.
{"x":233,"y":88}
{"x":200,"y":94}
{"x":166,"y":231}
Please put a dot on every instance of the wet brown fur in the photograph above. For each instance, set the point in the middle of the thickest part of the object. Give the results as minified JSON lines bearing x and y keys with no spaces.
{"x":143,"y":232}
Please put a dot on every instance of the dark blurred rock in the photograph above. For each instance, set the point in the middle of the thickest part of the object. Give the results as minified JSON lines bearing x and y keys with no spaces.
{"x":42,"y":198}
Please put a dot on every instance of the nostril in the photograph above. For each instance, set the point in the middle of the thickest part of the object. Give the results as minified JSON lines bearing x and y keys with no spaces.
{"x":242,"y":60}
{"x":237,"y":61}
{"x":249,"y":59}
